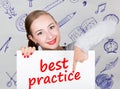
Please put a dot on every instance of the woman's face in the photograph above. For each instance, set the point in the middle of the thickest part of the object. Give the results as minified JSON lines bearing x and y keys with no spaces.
{"x":45,"y":32}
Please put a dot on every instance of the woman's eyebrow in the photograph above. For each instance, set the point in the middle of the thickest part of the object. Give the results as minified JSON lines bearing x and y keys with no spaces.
{"x":50,"y":24}
{"x":38,"y":31}
{"x":42,"y":29}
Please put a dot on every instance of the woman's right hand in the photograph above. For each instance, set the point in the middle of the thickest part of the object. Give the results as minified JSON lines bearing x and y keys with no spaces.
{"x":27,"y":51}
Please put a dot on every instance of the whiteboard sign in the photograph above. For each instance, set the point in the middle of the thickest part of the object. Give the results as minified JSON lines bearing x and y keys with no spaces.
{"x":53,"y":70}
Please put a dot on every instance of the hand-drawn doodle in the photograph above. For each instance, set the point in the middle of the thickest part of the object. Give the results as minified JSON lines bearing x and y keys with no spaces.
{"x":104,"y":81}
{"x":84,"y":3}
{"x":20,"y":23}
{"x":101,"y":8}
{"x":9,"y":10}
{"x":75,"y":33}
{"x":112,"y":17}
{"x":9,"y":83}
{"x":6,"y":45}
{"x":74,"y":1}
{"x":97,"y":60}
{"x":30,"y":3}
{"x":66,"y":19}
{"x":83,"y":28}
{"x":110,"y":65}
{"x":88,"y":24}
{"x":53,"y":4}
{"x":111,"y":46}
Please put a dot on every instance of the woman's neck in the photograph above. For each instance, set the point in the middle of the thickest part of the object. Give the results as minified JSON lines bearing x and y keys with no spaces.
{"x":58,"y":48}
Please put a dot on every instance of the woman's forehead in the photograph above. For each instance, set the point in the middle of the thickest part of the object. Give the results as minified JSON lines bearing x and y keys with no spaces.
{"x":42,"y":22}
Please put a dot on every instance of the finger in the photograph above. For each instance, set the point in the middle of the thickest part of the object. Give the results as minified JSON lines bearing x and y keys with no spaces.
{"x":74,"y":64}
{"x":26,"y":51}
{"x":29,"y":49}
{"x":32,"y":50}
{"x":83,"y":58}
{"x":22,"y":50}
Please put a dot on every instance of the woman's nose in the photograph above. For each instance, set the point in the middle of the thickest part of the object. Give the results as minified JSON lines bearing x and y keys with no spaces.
{"x":49,"y":35}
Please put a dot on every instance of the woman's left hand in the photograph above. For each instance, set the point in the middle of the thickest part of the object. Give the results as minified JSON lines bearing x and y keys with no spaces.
{"x":79,"y":56}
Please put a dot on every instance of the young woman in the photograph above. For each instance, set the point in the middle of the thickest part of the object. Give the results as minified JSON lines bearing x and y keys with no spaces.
{"x":43,"y":30}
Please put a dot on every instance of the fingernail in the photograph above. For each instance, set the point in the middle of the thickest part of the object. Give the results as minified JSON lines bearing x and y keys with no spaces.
{"x":22,"y":53}
{"x":27,"y":56}
{"x":73,"y":71}
{"x":31,"y":53}
{"x":24,"y":56}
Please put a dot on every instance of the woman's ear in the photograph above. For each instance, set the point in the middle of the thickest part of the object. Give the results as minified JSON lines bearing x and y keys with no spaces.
{"x":31,"y":38}
{"x":56,"y":23}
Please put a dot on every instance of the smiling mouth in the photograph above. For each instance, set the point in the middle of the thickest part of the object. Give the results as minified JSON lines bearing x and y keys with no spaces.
{"x":52,"y":42}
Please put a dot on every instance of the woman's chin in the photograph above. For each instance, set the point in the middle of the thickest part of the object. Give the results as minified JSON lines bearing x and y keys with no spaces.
{"x":51,"y":48}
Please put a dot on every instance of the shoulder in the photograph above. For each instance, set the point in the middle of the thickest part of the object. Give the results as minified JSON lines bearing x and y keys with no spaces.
{"x":70,"y":46}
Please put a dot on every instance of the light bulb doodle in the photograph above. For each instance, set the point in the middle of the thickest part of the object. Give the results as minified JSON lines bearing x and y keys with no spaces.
{"x":20,"y":23}
{"x":111,"y":46}
{"x":66,"y":19}
{"x":9,"y":10}
{"x":104,"y":81}
{"x":6,"y":45}
{"x":9,"y":83}
{"x":111,"y":17}
{"x":53,"y":4}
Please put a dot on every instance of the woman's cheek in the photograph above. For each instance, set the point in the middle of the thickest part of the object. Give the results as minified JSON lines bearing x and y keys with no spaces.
{"x":41,"y":40}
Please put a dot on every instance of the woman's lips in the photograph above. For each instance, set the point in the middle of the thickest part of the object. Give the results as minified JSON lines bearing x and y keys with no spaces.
{"x":52,"y":42}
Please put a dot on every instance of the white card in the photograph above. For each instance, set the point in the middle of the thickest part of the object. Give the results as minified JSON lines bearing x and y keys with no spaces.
{"x":53,"y":70}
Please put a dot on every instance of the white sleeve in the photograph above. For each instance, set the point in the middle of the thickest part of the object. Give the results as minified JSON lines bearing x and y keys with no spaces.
{"x":95,"y":35}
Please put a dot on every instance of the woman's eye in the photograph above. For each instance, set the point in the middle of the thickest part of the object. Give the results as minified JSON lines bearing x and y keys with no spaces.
{"x":51,"y":27}
{"x":39,"y":33}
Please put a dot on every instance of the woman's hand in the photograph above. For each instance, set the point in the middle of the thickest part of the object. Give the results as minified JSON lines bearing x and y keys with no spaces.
{"x":27,"y":51}
{"x":79,"y":56}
